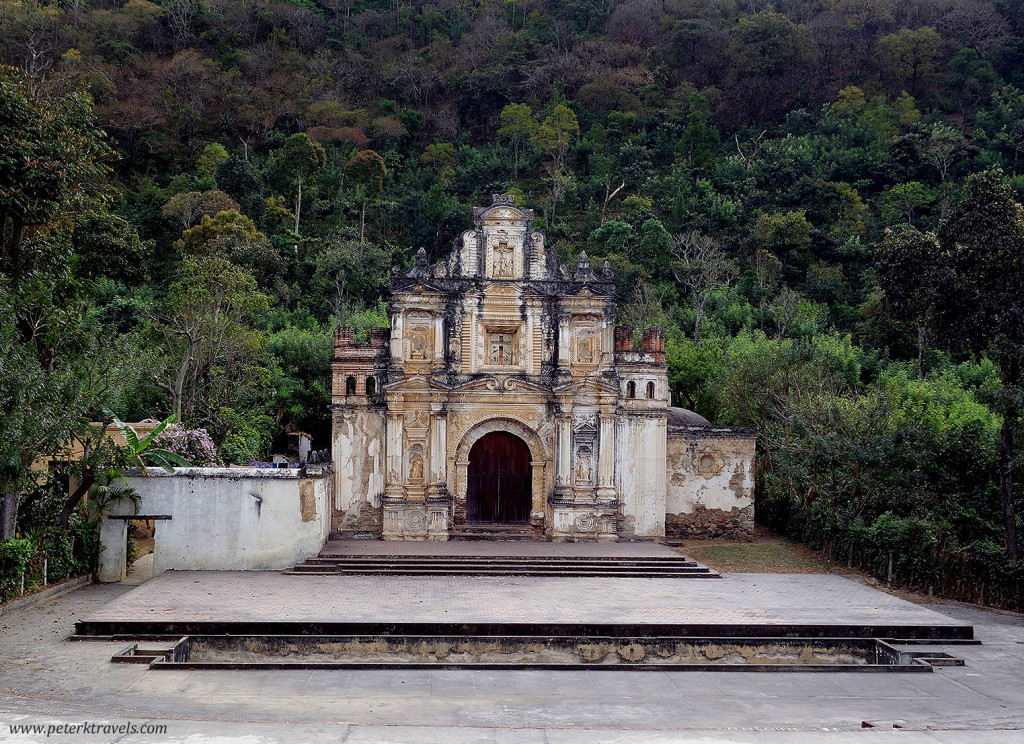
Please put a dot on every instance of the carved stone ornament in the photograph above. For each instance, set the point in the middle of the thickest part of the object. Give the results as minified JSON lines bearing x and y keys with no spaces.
{"x":585,"y":523}
{"x":417,"y":419}
{"x":585,"y":424}
{"x":588,"y":346}
{"x":415,"y":520}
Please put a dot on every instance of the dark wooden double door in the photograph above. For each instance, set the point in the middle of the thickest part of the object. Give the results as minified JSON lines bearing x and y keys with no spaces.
{"x":499,"y":487}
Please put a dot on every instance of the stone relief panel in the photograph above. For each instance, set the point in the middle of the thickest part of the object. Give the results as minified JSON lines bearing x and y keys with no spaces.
{"x":419,"y":336}
{"x":503,"y":260}
{"x":586,"y":340}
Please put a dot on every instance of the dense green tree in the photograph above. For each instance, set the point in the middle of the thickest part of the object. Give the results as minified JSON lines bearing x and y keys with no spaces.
{"x":298,"y":160}
{"x":966,"y":287}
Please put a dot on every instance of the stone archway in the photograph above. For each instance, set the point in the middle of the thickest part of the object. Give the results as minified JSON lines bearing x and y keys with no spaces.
{"x":538,"y":464}
{"x":499,"y":480}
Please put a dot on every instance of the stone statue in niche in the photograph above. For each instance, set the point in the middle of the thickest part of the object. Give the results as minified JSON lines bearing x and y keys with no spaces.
{"x":583,"y":467}
{"x":419,"y":342}
{"x":587,"y":347}
{"x":503,"y":254}
{"x":416,"y":468}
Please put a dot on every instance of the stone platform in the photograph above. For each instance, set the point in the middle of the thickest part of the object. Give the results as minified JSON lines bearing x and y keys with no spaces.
{"x":739,"y":605}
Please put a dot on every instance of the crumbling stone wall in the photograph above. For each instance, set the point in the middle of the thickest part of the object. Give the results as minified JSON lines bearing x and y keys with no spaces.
{"x":710,"y":481}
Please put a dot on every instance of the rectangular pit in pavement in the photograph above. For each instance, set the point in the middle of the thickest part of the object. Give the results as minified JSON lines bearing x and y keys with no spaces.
{"x":532,"y":652}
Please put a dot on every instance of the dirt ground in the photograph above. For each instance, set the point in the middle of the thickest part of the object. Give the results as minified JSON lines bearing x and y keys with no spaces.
{"x":764,"y":552}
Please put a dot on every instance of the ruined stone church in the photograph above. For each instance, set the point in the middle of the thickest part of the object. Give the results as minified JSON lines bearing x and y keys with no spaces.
{"x":504,"y":401}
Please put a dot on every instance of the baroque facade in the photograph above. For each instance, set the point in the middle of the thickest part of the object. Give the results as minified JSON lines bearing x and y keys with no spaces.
{"x":504,"y":394}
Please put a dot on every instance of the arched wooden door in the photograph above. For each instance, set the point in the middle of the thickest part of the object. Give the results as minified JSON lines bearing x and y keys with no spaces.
{"x":499,"y":483}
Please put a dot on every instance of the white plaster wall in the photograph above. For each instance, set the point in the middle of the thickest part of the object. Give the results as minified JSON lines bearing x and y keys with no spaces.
{"x":358,"y":456}
{"x":218,"y":523}
{"x":727,"y":484}
{"x":640,"y":472}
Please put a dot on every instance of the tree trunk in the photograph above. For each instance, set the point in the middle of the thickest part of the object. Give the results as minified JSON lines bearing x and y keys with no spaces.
{"x":88,"y":479}
{"x":298,"y":205}
{"x":179,"y":380}
{"x":696,"y":325}
{"x":1006,"y":481}
{"x":9,"y":500}
{"x":362,"y":222}
{"x":922,"y":337}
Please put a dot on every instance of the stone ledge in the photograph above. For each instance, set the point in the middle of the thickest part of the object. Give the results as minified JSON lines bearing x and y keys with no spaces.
{"x":51,"y":592}
{"x":229,"y":473}
{"x":713,"y":432}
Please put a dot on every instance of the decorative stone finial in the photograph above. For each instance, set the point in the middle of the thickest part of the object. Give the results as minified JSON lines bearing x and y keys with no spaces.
{"x":583,"y":271}
{"x":420,"y":269}
{"x":503,"y":200}
{"x":606,"y":271}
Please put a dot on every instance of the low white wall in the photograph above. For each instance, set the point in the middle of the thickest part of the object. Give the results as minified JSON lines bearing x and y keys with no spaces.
{"x":224,"y":519}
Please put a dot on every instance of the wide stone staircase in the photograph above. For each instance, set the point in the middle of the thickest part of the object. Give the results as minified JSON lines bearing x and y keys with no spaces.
{"x":660,"y":567}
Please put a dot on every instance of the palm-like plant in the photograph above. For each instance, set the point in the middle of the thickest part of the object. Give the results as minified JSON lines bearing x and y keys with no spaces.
{"x":141,"y":452}
{"x":102,"y":498}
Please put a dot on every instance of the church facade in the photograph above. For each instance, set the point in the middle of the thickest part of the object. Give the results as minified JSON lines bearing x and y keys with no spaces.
{"x":504,"y":397}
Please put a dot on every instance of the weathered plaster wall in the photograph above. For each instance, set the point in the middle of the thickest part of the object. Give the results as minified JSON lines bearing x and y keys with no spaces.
{"x":710,"y":482}
{"x":640,"y":475}
{"x":358,"y":452}
{"x":224,"y":519}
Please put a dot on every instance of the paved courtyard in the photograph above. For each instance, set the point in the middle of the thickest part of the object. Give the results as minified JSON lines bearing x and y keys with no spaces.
{"x":45,"y":679}
{"x":267,"y":596}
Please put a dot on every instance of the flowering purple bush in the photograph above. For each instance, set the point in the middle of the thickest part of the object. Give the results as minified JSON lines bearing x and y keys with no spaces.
{"x":194,"y":445}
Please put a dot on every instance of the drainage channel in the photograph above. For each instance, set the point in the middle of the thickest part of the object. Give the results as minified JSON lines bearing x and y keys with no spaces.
{"x":529,"y":652}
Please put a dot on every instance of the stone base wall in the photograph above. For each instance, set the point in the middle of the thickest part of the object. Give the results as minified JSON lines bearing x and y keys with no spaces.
{"x":711,"y":523}
{"x":363,"y":520}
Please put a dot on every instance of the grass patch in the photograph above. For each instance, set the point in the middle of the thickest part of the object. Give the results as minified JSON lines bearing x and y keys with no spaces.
{"x":766,"y":555}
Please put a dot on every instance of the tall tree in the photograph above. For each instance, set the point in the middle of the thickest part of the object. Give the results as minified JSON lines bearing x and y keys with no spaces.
{"x":700,"y":265}
{"x":297,"y":161}
{"x":517,"y":126}
{"x":366,"y":171}
{"x":554,"y":136}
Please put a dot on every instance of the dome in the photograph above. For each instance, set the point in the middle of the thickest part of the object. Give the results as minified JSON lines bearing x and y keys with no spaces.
{"x":683,"y":417}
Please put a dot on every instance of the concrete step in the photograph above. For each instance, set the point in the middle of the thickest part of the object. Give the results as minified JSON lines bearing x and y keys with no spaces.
{"x":323,"y":571}
{"x":499,"y":568}
{"x":498,"y":560}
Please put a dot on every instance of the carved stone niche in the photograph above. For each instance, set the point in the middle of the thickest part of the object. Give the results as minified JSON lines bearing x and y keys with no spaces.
{"x":501,"y":343}
{"x":584,"y":435}
{"x":419,"y":336}
{"x":504,"y":254}
{"x":586,"y":340}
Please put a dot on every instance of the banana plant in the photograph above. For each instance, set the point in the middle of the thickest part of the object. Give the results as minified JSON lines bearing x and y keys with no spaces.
{"x":141,"y":452}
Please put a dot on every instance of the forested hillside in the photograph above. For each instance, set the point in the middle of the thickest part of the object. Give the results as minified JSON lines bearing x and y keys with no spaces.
{"x":818,"y":198}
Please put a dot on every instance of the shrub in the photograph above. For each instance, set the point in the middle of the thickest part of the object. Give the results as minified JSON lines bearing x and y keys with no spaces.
{"x":193,"y":445}
{"x":14,"y":559}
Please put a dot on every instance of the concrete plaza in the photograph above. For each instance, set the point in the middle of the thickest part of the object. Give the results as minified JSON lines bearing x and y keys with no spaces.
{"x":740,"y":599}
{"x":45,"y":679}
